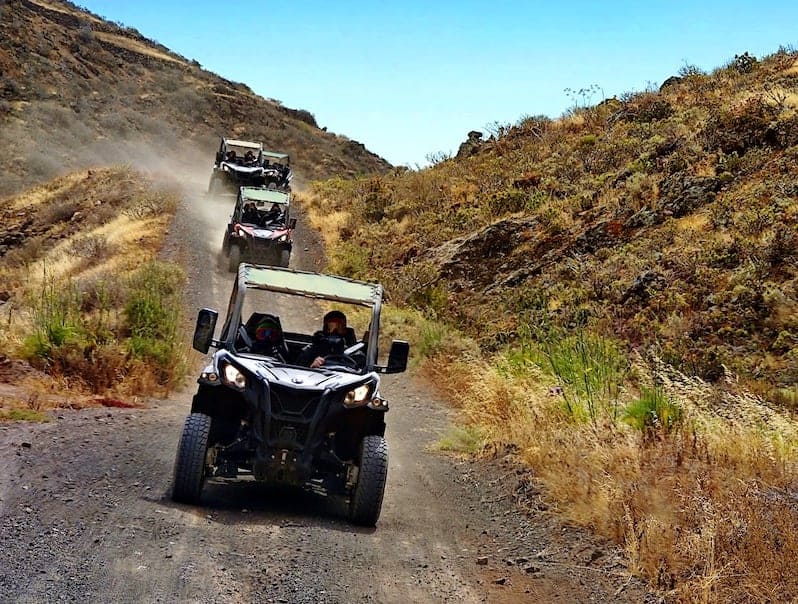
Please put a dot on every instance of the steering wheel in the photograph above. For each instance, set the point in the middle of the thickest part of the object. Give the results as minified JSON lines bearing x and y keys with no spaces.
{"x":340,"y":360}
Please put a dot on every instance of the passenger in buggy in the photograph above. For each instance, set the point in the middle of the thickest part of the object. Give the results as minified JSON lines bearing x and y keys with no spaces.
{"x":267,"y":336}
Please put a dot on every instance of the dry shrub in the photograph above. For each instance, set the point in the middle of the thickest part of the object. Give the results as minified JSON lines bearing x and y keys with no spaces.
{"x":29,"y":252}
{"x":93,"y":248}
{"x":99,"y":368}
{"x":740,"y":128}
{"x":57,"y":212}
{"x":101,"y":292}
{"x":702,"y":512}
{"x":189,"y":102}
{"x":42,"y":166}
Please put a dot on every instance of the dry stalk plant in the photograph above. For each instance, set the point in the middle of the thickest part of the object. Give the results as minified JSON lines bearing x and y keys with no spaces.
{"x":704,"y":514}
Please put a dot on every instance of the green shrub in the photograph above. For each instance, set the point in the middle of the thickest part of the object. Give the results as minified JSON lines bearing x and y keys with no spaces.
{"x":590,"y":370}
{"x":744,"y":63}
{"x":463,"y":439}
{"x":351,"y":259}
{"x":432,"y":299}
{"x":152,"y":313}
{"x":434,"y":338}
{"x":23,"y":415}
{"x":507,"y":201}
{"x":56,"y":322}
{"x":653,"y":413}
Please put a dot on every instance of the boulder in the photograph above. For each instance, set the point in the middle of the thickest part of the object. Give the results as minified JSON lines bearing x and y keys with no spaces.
{"x":681,"y":193}
{"x":471,"y":145}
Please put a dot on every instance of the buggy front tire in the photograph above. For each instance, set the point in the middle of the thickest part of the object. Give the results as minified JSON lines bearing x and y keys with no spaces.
{"x":190,"y":461}
{"x":285,"y":258}
{"x":235,"y":258}
{"x":366,"y":500}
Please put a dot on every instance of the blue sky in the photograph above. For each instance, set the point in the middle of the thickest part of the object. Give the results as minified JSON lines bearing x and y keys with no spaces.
{"x":411,"y":78}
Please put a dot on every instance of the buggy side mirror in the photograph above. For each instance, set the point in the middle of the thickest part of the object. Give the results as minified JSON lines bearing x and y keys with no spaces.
{"x":397,"y":357}
{"x":203,"y":332}
{"x":292,"y":224}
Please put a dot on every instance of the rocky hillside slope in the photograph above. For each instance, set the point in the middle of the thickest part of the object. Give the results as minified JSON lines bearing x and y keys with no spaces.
{"x":667,"y":219}
{"x":76,"y":90}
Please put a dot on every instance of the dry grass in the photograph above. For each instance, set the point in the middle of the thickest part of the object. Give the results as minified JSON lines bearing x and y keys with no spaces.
{"x":666,"y":223}
{"x":37,"y":196}
{"x":136,"y":46}
{"x":130,"y":243}
{"x":60,"y":8}
{"x":66,"y":289}
{"x":704,"y":514}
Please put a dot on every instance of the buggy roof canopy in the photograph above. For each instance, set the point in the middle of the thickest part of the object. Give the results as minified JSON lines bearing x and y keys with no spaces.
{"x":275,"y":155}
{"x":266,"y":195}
{"x":248,"y":144}
{"x":312,"y":285}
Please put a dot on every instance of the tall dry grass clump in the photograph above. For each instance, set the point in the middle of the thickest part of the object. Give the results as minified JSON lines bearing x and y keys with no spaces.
{"x":697,"y":487}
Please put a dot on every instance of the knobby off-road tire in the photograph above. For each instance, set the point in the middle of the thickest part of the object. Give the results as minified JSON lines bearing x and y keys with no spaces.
{"x":235,"y":258}
{"x":190,"y":461}
{"x":366,"y":501}
{"x":285,"y":258}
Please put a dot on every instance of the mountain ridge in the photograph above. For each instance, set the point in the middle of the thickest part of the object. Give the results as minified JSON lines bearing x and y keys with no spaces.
{"x":81,"y":90}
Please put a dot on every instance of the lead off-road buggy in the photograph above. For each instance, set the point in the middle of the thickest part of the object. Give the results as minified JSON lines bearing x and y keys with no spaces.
{"x":260,"y":229}
{"x":261,"y":416}
{"x":245,"y":163}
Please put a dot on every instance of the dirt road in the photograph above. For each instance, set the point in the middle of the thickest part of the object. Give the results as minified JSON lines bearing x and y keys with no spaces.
{"x":85,"y":512}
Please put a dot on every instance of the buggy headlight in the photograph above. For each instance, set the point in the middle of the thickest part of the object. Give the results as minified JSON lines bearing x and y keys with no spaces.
{"x":357,"y":397}
{"x":233,"y":377}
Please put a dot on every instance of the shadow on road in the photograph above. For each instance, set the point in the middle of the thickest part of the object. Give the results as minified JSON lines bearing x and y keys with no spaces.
{"x":250,"y":502}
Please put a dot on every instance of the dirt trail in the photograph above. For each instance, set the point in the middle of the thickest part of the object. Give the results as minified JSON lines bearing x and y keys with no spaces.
{"x":85,"y":513}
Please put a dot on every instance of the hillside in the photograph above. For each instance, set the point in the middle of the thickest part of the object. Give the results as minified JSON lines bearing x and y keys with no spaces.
{"x":610,"y":300}
{"x":667,"y":219}
{"x":77,"y":90}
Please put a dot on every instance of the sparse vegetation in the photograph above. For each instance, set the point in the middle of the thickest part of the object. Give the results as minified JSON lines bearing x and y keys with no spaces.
{"x":23,"y":415}
{"x":67,"y":313}
{"x":621,"y":287}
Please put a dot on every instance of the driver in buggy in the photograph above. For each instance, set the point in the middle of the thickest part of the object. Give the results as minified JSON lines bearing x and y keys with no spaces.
{"x":275,"y":214}
{"x":249,"y":158}
{"x":250,"y":214}
{"x":332,"y":340}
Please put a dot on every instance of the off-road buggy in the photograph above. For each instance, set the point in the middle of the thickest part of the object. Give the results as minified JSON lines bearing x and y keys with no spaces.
{"x":261,"y":416}
{"x":245,"y":163}
{"x":277,"y":170}
{"x":260,"y":229}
